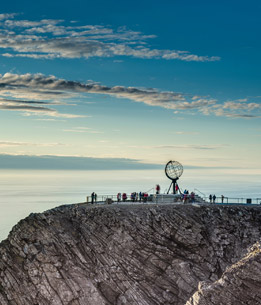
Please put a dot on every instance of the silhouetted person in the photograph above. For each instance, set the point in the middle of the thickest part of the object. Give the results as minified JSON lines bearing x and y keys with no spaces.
{"x":140,"y":196}
{"x":93,"y":195}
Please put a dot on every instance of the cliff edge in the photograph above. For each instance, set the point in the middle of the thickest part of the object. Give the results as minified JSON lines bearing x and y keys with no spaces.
{"x":144,"y":254}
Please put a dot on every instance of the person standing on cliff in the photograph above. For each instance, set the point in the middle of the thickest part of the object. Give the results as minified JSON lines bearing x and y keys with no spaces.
{"x":192,"y":197}
{"x":157,"y":189}
{"x":210,"y":198}
{"x":119,"y":197}
{"x":214,"y":198}
{"x":93,"y":195}
{"x":124,"y":197}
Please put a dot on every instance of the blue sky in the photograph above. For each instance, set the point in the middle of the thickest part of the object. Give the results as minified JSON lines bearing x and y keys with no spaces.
{"x":141,"y":81}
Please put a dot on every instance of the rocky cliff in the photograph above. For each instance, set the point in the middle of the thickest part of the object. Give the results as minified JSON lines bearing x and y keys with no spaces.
{"x":146,"y":255}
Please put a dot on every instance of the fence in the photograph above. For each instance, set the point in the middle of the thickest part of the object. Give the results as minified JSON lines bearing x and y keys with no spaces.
{"x":235,"y":200}
{"x":113,"y":198}
{"x":171,"y":198}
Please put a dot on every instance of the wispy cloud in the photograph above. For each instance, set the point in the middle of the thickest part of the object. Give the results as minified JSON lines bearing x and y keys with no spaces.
{"x":29,"y":107}
{"x":7,"y":16}
{"x":33,"y":110}
{"x":186,"y":132}
{"x":235,"y":109}
{"x":50,"y":120}
{"x":241,"y":104}
{"x":82,"y":130}
{"x":53,"y":113}
{"x":14,"y":88}
{"x":191,"y":146}
{"x":11,"y":144}
{"x":13,"y":83}
{"x":49,"y":39}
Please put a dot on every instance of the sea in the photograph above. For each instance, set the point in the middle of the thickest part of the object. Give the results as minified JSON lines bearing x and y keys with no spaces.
{"x":33,"y":191}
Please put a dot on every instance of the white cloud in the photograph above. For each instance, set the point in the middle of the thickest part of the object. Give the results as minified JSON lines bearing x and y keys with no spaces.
{"x":51,"y":120}
{"x":235,"y":109}
{"x":54,"y":113}
{"x":49,"y":39}
{"x":30,"y":55}
{"x":28,"y":82}
{"x":242,"y":100}
{"x":241,"y":105}
{"x":42,"y":89}
{"x":10,"y":144}
{"x":6,"y":16}
{"x":188,"y":57}
{"x":82,"y":130}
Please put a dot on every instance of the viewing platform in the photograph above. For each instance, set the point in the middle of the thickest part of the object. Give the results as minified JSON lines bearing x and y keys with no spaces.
{"x":173,"y":198}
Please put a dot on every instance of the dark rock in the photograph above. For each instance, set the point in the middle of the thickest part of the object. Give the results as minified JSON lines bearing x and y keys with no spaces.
{"x":240,"y":283}
{"x":146,"y":255}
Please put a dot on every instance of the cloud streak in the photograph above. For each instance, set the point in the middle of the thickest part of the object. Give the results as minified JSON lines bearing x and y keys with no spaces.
{"x":12,"y":144}
{"x":49,"y":39}
{"x":30,"y":107}
{"x":71,"y":163}
{"x":31,"y":82}
{"x":14,"y":87}
{"x":191,"y":146}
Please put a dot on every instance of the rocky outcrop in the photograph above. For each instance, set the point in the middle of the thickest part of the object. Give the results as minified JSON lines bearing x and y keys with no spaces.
{"x":240,"y":283}
{"x":145,"y":254}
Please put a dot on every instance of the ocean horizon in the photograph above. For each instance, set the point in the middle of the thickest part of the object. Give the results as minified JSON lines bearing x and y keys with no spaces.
{"x":34,"y":191}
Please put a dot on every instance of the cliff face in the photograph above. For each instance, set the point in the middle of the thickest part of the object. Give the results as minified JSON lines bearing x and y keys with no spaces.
{"x":240,"y":283}
{"x":146,"y":255}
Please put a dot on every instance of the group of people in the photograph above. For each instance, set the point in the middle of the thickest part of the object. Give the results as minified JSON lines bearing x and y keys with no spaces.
{"x":188,"y":197}
{"x":143,"y":197}
{"x":212,"y":198}
{"x":134,"y":197}
{"x":94,"y":197}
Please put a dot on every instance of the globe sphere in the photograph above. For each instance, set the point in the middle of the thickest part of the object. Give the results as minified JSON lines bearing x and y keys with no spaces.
{"x":173,"y":170}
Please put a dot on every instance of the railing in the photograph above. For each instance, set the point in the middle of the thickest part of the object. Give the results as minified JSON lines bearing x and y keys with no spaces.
{"x":152,"y":189}
{"x":196,"y":190}
{"x":100,"y":198}
{"x":234,"y":200}
{"x":104,"y":198}
{"x":167,"y":198}
{"x":170,"y":198}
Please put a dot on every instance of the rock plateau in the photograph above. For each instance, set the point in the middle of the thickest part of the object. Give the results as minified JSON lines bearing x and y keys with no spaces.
{"x":134,"y":254}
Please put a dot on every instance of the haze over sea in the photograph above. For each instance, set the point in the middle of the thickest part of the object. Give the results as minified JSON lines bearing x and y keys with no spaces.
{"x":32,"y":191}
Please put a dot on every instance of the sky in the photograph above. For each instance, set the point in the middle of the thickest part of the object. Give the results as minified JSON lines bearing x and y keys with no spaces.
{"x":122,"y":84}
